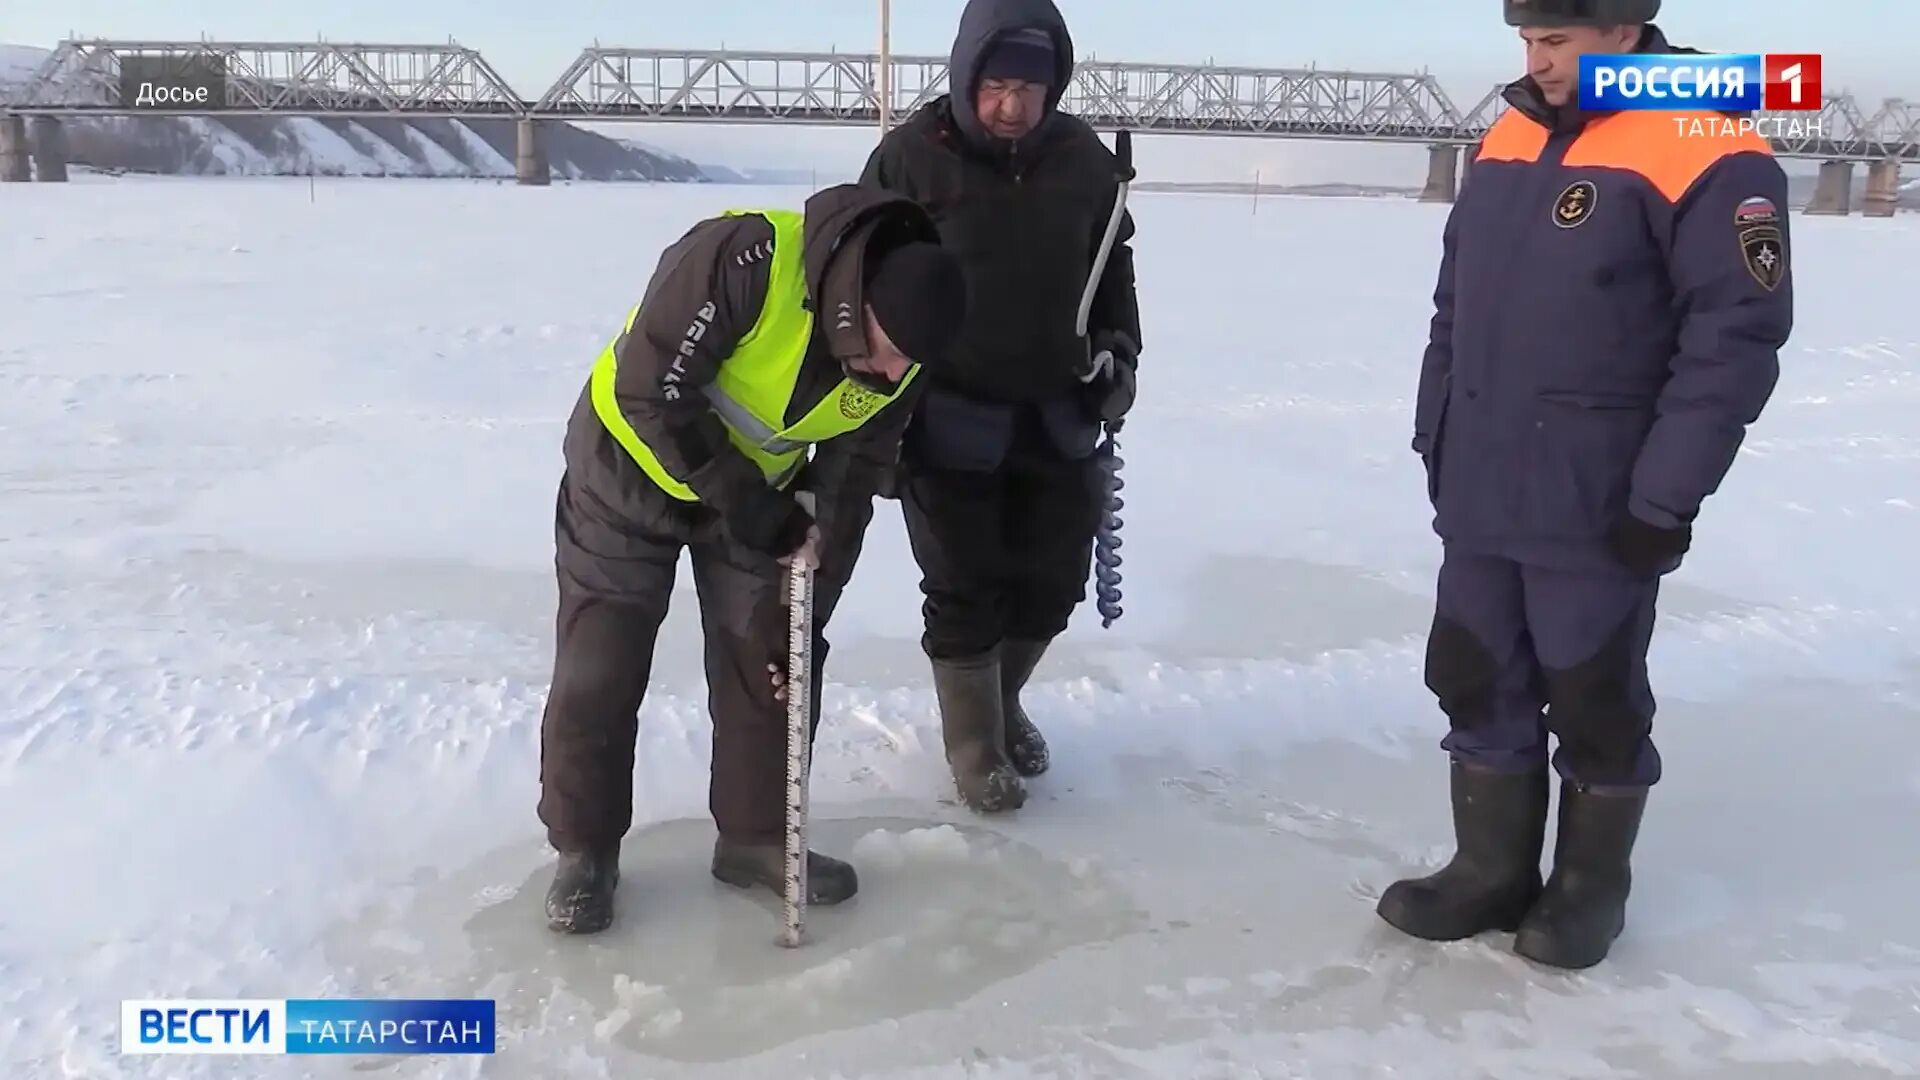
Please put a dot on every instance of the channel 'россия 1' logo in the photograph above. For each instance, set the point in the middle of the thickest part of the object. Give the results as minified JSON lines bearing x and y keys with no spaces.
{"x":1733,"y":82}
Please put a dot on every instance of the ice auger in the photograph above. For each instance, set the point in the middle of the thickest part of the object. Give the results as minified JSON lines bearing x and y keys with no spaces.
{"x":1106,"y":543}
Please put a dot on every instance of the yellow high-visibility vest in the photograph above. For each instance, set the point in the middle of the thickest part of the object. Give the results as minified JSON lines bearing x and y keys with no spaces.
{"x":756,"y":381}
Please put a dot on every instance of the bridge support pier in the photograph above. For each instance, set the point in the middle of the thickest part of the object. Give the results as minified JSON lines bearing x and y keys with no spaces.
{"x":1883,"y":189}
{"x":15,"y":166}
{"x":530,"y":164}
{"x":1833,"y":195}
{"x":1443,"y":174}
{"x":49,"y":150}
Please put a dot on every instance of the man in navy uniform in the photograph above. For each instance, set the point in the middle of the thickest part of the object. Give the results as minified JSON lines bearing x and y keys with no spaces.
{"x":1613,"y":296}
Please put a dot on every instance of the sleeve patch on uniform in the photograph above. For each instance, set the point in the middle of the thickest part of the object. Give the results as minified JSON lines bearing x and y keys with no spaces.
{"x":1758,"y":210}
{"x":1765,"y":252}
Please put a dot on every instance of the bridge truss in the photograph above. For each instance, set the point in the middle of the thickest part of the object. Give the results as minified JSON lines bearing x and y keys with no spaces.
{"x":86,"y":76}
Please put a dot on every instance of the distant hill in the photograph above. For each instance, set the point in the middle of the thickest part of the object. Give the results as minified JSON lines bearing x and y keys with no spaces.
{"x":721,"y":174}
{"x":18,"y":63}
{"x":256,"y":145}
{"x":333,"y":146}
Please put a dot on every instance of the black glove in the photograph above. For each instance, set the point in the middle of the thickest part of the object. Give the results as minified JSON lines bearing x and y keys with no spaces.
{"x":770,"y":522}
{"x":1647,"y":550}
{"x":1110,"y":375}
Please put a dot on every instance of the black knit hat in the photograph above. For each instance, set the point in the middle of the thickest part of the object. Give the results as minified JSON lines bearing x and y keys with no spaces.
{"x":919,"y":297}
{"x":1555,"y":13}
{"x":1027,"y":55}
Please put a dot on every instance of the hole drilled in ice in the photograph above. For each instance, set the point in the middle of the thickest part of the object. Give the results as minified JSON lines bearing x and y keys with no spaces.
{"x":691,"y":969}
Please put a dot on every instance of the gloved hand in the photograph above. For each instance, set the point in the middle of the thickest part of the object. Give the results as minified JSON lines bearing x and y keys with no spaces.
{"x":770,"y":522}
{"x":1110,"y":377}
{"x":1645,"y":549}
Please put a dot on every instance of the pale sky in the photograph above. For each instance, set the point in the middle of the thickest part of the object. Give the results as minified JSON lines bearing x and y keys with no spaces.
{"x":1868,"y":45}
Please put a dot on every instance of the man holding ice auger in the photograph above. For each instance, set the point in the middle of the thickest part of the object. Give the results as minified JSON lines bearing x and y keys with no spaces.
{"x":1613,"y":296}
{"x":1002,"y":488}
{"x":762,"y":334}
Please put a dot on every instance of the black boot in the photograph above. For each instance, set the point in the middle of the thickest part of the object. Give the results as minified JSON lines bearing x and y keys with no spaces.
{"x":580,"y":900}
{"x":973,"y":725}
{"x":1025,"y":748}
{"x":1499,"y":826}
{"x":829,"y":881}
{"x":1584,"y":907}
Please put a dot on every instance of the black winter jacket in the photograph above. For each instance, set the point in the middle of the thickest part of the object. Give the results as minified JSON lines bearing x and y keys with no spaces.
{"x":1025,"y":218}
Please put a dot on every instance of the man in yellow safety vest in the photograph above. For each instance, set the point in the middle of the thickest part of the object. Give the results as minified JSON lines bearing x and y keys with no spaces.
{"x":763,"y":335}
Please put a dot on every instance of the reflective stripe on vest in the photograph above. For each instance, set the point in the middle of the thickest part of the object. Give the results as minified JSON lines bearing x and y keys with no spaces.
{"x":754,"y":386}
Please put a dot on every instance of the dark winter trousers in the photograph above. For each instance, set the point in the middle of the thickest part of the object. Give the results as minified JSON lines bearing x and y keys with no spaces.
{"x":1510,"y":640}
{"x":603,"y":658}
{"x":1003,"y":554}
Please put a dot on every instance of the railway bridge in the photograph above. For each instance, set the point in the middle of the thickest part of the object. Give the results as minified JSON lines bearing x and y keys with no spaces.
{"x":95,"y":77}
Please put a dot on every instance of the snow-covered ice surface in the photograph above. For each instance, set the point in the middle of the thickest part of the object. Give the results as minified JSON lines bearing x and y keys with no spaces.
{"x":276,"y":482}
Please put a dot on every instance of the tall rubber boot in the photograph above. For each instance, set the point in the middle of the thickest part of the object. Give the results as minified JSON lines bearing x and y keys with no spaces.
{"x":1584,"y":907}
{"x":580,"y":900}
{"x":1025,"y":747}
{"x":973,"y":726}
{"x":829,"y":881}
{"x":1499,"y":826}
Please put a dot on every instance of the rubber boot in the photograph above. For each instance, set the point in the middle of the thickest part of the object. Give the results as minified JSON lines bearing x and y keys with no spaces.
{"x":744,"y":866}
{"x":1025,"y":747}
{"x":1500,"y":826}
{"x":1584,"y":907}
{"x":580,"y":900}
{"x":973,"y":725}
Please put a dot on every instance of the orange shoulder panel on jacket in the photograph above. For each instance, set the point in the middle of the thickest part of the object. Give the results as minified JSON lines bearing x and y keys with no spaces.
{"x":1670,"y":149}
{"x":1514,"y":137}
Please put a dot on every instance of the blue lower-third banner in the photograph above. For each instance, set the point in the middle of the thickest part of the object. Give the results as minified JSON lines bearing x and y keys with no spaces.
{"x":307,"y":1026}
{"x":389,"y":1027}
